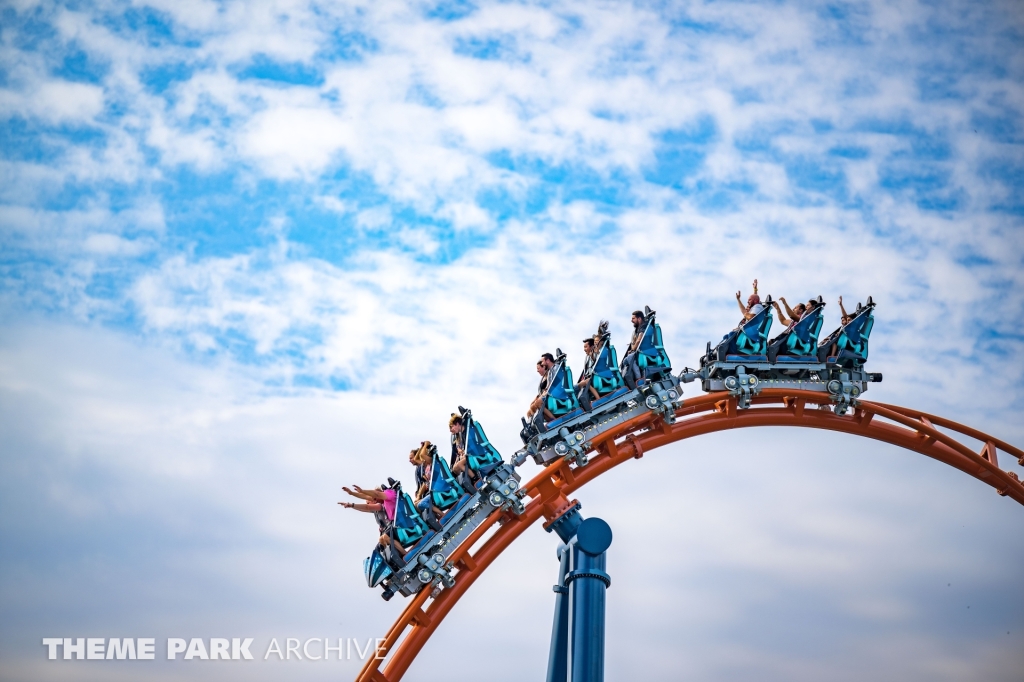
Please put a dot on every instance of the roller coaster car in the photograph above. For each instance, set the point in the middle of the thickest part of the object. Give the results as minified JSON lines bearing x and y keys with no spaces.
{"x":573,"y":427}
{"x":429,"y":540}
{"x":745,"y":362}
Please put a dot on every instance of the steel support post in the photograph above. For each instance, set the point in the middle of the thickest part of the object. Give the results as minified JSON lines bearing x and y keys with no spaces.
{"x":577,"y":633}
{"x":558,"y":657}
{"x":587,"y":582}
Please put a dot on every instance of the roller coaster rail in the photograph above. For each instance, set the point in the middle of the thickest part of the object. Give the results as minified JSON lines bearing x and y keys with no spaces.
{"x":707,"y":413}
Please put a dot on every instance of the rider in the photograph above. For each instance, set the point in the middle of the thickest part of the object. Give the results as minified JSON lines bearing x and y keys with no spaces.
{"x":381,"y":503}
{"x":462,"y":466}
{"x":541,"y":388}
{"x":424,"y":469}
{"x":846,"y":316}
{"x":417,"y":462}
{"x":753,"y":306}
{"x":811,"y":306}
{"x":420,"y":458}
{"x":795,"y":314}
{"x":459,"y":463}
{"x":544,"y":365}
{"x":833,"y":350}
{"x":589,"y":349}
{"x":584,"y":391}
{"x":629,"y":366}
{"x":456,"y":428}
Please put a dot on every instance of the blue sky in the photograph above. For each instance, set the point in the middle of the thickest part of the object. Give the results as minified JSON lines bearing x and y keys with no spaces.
{"x":252,"y":252}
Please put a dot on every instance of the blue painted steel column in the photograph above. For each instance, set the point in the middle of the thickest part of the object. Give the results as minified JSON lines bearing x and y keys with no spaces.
{"x":558,"y":655}
{"x":577,"y":633}
{"x":587,"y":582}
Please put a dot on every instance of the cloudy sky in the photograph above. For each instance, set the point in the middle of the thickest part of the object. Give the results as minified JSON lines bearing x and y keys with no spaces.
{"x":251,"y":252}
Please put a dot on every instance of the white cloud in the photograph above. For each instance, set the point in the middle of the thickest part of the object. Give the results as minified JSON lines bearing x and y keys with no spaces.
{"x":112,"y":245}
{"x":54,"y":102}
{"x":291,"y":141}
{"x":375,"y":217}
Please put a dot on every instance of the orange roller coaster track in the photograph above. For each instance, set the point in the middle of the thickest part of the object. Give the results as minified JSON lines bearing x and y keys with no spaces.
{"x":549,"y":490}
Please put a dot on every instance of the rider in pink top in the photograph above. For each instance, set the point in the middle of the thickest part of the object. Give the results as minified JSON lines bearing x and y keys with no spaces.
{"x":390,"y":500}
{"x":383,"y":499}
{"x":376,"y":499}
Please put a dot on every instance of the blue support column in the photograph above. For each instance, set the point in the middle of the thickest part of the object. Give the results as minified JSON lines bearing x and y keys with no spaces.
{"x":587,"y":582}
{"x":577,"y":634}
{"x":558,"y":658}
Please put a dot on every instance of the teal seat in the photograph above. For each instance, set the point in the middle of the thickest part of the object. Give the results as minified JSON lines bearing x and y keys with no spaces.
{"x":408,"y":526}
{"x":752,"y":335}
{"x":482,"y":457}
{"x":800,"y":340}
{"x":560,"y":399}
{"x":652,"y":358}
{"x":445,"y":491}
{"x":803,"y":340}
{"x":606,"y":377}
{"x":851,"y":340}
{"x":747,"y":343}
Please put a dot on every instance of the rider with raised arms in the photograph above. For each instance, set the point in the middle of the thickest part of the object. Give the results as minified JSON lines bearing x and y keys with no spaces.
{"x":753,"y":306}
{"x":379,"y":502}
{"x":846,"y":316}
{"x":795,"y":314}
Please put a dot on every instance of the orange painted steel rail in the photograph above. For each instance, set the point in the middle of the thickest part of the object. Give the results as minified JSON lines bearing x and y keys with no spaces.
{"x":707,"y":413}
